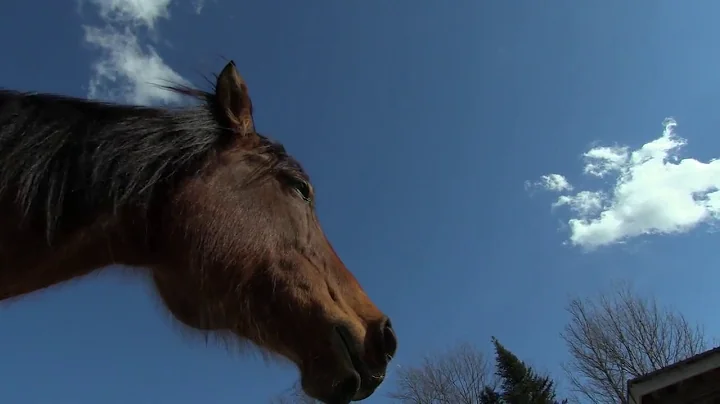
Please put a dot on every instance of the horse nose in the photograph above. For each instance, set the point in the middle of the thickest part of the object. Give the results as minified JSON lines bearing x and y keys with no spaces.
{"x":385,"y":340}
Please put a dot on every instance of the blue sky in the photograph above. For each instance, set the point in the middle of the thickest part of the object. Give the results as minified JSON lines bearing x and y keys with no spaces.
{"x":427,"y":127}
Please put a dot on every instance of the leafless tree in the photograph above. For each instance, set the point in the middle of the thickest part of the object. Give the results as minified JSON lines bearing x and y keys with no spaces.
{"x":459,"y":376}
{"x":619,"y":336}
{"x":294,"y":395}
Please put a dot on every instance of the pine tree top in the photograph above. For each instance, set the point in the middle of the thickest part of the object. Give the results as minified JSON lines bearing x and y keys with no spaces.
{"x":520,"y":384}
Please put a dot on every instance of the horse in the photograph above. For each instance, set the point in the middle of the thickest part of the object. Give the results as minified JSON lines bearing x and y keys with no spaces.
{"x":221,"y":218}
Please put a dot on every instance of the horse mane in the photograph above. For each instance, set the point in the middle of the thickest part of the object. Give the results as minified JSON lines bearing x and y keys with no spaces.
{"x":70,"y":158}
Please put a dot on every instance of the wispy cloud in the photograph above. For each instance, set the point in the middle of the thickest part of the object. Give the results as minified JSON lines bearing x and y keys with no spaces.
{"x":132,"y":12}
{"x":551,"y":182}
{"x":198,"y":5}
{"x":653,"y":192}
{"x":126,"y":69}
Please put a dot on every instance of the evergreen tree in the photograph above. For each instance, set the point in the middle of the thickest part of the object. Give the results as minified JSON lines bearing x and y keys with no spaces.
{"x":520,"y":384}
{"x":490,"y":396}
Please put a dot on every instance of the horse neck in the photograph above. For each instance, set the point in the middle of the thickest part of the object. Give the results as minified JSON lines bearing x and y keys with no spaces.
{"x":28,"y":262}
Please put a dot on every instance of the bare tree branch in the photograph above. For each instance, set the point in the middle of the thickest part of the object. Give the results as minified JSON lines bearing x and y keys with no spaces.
{"x":458,"y":376}
{"x":619,"y":336}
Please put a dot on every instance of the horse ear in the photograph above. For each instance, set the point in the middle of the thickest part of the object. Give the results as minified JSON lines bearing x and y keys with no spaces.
{"x":233,"y":100}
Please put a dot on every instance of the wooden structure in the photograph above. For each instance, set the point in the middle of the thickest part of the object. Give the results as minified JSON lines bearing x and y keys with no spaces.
{"x":695,"y":380}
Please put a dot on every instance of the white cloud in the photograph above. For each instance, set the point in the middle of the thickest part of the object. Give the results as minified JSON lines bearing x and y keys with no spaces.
{"x":654,"y":192}
{"x":550,"y":182}
{"x":134,"y":12}
{"x":555,"y":182}
{"x":583,"y":203}
{"x":199,"y":5}
{"x":126,"y":70}
{"x":601,"y":161}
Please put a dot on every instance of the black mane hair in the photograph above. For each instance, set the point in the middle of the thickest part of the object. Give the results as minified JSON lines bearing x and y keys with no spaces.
{"x":64,"y":160}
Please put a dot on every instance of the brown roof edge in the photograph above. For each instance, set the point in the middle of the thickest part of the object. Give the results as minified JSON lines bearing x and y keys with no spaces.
{"x":685,"y":362}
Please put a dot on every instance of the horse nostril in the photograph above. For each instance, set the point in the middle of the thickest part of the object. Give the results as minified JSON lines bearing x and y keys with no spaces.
{"x":389,"y":340}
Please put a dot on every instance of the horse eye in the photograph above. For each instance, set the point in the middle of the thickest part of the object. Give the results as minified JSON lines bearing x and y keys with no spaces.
{"x":303,"y":189}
